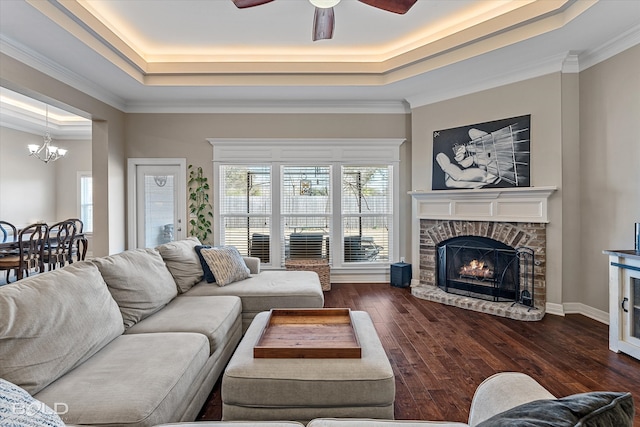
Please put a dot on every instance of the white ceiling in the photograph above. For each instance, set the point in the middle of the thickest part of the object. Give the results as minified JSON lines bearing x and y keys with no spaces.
{"x":207,"y":55}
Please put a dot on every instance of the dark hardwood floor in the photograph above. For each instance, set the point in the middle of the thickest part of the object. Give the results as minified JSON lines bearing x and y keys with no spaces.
{"x":441,"y":353}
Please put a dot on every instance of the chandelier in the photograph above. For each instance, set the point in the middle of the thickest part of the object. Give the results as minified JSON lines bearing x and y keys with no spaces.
{"x":46,"y":152}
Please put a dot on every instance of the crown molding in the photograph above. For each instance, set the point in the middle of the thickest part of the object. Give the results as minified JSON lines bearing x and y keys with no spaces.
{"x":66,"y":133}
{"x":613,"y":47}
{"x":271,"y":107}
{"x":453,"y":88}
{"x":571,"y":63}
{"x":54,"y":70}
{"x":567,"y":63}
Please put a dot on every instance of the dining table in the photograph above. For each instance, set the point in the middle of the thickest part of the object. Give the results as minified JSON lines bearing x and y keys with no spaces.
{"x":80,"y":241}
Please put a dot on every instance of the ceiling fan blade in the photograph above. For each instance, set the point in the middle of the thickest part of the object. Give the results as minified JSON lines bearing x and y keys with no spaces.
{"x":241,"y":4}
{"x":395,"y":6}
{"x":323,"y":23}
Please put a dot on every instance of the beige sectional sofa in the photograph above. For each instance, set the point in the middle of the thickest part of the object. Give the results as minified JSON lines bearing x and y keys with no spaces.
{"x":134,"y":339}
{"x":506,"y":399}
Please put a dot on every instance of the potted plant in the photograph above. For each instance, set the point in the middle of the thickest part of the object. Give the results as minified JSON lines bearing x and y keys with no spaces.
{"x":200,"y":209}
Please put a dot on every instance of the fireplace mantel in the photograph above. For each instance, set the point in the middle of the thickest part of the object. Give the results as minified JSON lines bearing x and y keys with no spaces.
{"x":520,"y":204}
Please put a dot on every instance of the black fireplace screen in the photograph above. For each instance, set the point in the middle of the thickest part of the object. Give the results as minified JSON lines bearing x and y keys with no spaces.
{"x":485,"y":268}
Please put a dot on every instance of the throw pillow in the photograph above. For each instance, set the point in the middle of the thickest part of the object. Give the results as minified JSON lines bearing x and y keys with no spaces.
{"x":139,"y":281}
{"x":594,"y":409}
{"x":226,"y":264}
{"x":182,"y":262}
{"x":208,"y":275}
{"x":18,"y":408}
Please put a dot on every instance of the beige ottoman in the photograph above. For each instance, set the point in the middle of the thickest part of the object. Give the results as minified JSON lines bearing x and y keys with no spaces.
{"x":303,"y":389}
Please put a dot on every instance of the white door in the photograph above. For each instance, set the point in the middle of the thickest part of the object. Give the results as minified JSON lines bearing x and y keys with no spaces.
{"x":158,"y":203}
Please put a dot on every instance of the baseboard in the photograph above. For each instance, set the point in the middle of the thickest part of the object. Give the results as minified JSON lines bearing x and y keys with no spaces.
{"x":585,"y":310}
{"x":359,"y":277}
{"x":578,"y":308}
{"x":556,"y":309}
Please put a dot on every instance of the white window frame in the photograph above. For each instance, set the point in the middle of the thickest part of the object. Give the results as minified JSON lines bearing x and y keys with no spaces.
{"x":298,"y":152}
{"x":80,"y":175}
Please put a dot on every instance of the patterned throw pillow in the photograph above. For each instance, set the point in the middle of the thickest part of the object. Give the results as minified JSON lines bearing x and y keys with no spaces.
{"x":18,"y":408}
{"x":226,"y":264}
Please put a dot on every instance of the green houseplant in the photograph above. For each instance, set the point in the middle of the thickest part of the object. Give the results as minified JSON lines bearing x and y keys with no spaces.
{"x":200,"y":209}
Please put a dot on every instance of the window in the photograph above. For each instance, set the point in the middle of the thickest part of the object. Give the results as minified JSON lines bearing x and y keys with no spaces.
{"x":332,"y":200}
{"x":86,"y":200}
{"x":366,"y":212}
{"x":245,"y":209}
{"x":306,"y":211}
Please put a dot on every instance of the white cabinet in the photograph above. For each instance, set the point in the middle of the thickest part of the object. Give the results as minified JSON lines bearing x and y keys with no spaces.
{"x":624,"y":302}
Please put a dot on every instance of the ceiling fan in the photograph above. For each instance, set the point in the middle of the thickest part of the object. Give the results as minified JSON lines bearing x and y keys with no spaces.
{"x":323,"y":20}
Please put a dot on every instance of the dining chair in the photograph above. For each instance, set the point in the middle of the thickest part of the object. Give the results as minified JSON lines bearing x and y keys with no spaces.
{"x":59,"y":244}
{"x":30,"y":252}
{"x":9,"y":235}
{"x":9,"y":232}
{"x":79,"y":248}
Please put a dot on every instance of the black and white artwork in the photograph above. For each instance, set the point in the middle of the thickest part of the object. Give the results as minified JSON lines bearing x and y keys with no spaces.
{"x":491,"y":154}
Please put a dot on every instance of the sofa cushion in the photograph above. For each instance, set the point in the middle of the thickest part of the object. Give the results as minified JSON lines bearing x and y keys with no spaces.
{"x":139,"y":281}
{"x":137,"y":380}
{"x":594,"y":409}
{"x":206,"y":271}
{"x":18,"y":408}
{"x":270,"y":289}
{"x":215,"y":317}
{"x":182,"y":261}
{"x":226,"y":264}
{"x":53,"y":322}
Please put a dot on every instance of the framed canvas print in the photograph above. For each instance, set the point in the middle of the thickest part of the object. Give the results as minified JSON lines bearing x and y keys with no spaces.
{"x":492,"y":154}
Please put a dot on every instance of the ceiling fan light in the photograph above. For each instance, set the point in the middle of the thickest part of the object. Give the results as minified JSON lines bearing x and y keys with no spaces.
{"x":324,"y":4}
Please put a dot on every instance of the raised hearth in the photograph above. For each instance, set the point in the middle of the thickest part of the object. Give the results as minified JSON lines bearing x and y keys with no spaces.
{"x":503,"y":309}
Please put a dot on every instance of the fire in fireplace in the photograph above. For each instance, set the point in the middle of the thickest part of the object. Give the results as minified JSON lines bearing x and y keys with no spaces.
{"x":476,"y":270}
{"x":484,"y":268}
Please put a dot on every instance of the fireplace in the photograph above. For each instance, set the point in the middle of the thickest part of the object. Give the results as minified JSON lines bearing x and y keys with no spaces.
{"x":507,"y":278}
{"x":485,"y":268}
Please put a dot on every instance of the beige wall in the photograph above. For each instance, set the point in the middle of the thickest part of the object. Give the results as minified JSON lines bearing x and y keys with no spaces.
{"x":540,"y":97}
{"x":185,"y":135}
{"x":108,"y":164}
{"x":570,"y":185}
{"x":609,"y":169}
{"x":31,"y":190}
{"x":77,"y":159}
{"x":27,"y":185}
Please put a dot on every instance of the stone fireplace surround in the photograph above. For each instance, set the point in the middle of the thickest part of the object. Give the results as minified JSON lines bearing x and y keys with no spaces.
{"x":515,"y":216}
